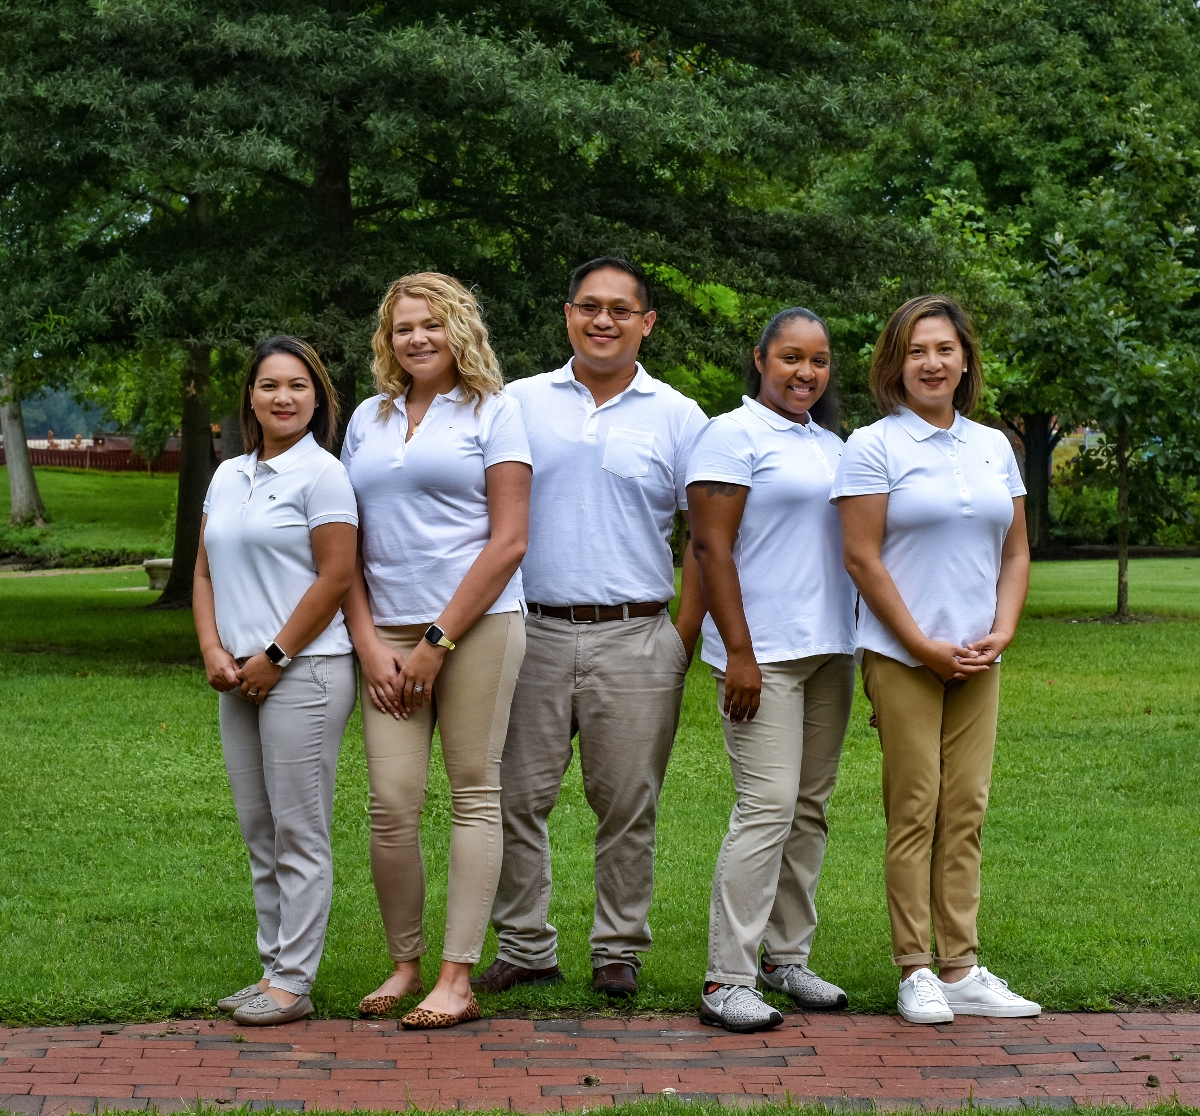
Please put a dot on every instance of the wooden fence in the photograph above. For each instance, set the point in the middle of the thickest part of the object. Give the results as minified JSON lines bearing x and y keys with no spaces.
{"x":114,"y":460}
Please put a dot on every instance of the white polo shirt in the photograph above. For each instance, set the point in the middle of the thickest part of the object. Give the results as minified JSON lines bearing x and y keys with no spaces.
{"x":260,"y":515}
{"x":606,"y":483}
{"x":797,"y":596}
{"x":950,"y":505}
{"x":423,"y":504}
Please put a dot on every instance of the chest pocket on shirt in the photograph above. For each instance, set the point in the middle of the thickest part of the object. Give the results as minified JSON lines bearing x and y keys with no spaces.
{"x":627,"y":452}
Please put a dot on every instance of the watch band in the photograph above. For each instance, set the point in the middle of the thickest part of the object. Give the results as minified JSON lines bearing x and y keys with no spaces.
{"x":277,"y":654}
{"x":437,"y":637}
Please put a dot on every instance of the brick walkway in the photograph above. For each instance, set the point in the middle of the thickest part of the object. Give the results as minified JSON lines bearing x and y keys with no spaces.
{"x":549,"y":1065}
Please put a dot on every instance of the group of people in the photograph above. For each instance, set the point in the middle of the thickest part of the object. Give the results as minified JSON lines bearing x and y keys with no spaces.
{"x":498,"y":558}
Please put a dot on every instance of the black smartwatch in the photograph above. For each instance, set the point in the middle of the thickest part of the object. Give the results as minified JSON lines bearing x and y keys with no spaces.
{"x":276,"y":654}
{"x":437,"y":637}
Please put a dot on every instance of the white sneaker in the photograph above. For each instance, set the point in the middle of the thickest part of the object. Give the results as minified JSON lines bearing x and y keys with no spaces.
{"x":806,"y":989}
{"x":738,"y":1009}
{"x":920,"y":999}
{"x":981,"y":993}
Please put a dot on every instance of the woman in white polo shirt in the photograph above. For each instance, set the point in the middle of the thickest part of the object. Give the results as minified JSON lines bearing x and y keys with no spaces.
{"x":441,"y":468}
{"x":934,"y":521}
{"x":779,"y":636}
{"x":277,"y":547}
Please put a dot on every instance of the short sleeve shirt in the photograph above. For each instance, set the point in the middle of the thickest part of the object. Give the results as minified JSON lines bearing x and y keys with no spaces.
{"x":950,"y":505}
{"x":606,"y":483}
{"x":423,"y":504}
{"x":797,"y":596}
{"x":259,"y":544}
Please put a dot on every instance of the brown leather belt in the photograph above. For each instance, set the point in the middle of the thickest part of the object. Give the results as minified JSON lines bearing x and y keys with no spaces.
{"x":596,"y":614}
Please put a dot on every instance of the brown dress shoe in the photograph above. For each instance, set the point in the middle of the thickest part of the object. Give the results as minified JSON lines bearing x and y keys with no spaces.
{"x":502,"y":975}
{"x":617,"y":979}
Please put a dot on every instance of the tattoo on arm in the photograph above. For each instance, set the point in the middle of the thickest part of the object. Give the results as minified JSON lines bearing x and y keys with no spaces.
{"x":717,"y":488}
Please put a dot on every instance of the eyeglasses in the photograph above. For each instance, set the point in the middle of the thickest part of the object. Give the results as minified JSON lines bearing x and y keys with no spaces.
{"x":617,"y":313}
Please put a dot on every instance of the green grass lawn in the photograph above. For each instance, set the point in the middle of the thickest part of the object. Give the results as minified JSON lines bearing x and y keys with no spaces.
{"x":95,"y":518}
{"x":124,"y":884}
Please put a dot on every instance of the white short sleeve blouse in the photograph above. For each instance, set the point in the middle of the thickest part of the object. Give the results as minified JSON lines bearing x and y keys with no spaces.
{"x":259,"y":544}
{"x":797,"y":596}
{"x":423,"y":504}
{"x":950,"y":505}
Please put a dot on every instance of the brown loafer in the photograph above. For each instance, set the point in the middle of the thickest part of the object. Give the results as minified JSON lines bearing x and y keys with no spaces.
{"x":502,"y":975}
{"x":617,"y":979}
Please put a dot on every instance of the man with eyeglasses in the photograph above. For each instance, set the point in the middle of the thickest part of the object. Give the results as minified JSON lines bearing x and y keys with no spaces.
{"x":610,"y":449}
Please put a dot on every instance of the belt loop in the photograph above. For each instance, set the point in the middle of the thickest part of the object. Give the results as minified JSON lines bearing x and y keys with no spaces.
{"x":624,"y":612}
{"x":596,"y":608}
{"x":537,"y":606}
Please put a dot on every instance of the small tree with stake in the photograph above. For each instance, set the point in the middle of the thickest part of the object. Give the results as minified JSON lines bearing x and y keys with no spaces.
{"x":1111,"y":300}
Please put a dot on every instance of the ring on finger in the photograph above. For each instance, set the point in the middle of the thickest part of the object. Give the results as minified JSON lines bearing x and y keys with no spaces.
{"x":418,"y":689}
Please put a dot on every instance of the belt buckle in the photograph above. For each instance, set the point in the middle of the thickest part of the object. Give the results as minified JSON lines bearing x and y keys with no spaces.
{"x":595,"y":619}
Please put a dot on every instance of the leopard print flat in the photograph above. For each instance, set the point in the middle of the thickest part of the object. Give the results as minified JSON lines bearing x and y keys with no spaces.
{"x":421,"y":1019}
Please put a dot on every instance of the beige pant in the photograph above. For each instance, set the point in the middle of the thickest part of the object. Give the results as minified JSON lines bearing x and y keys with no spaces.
{"x":785,"y":763}
{"x":619,"y":684}
{"x":938,"y":741}
{"x":471,"y":698}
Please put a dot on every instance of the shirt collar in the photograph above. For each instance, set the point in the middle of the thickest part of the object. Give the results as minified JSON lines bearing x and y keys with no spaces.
{"x":643,"y":383}
{"x":918,"y":429}
{"x":456,"y":395}
{"x":775,"y":421}
{"x":284,"y":461}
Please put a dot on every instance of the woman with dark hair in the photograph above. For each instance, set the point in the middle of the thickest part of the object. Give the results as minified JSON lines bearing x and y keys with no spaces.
{"x":277,"y":551}
{"x":933,"y":516}
{"x":779,"y":636}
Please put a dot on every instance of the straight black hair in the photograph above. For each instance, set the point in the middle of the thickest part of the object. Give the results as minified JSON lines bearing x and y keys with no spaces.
{"x":613,"y":263}
{"x":323,"y":424}
{"x":826,"y":411}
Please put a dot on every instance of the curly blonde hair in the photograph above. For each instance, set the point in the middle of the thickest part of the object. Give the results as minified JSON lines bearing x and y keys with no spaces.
{"x":458,"y":310}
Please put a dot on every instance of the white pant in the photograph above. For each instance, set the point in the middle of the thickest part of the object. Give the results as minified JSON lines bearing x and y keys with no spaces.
{"x":785,"y":763}
{"x":282,"y":759}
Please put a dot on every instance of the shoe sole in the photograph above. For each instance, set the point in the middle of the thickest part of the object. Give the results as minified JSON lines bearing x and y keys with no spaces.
{"x":712,"y":1019}
{"x":1010,"y":1013}
{"x":947,"y":1018}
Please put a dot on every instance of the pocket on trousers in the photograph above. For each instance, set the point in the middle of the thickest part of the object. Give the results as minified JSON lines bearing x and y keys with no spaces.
{"x":677,"y":640}
{"x":627,"y":452}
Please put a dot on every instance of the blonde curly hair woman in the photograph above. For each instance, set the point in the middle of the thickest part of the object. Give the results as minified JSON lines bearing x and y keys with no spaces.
{"x":441,"y":469}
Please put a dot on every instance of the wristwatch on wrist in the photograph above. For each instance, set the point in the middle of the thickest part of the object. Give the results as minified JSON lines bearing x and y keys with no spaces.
{"x":276,"y":654}
{"x":437,"y":637}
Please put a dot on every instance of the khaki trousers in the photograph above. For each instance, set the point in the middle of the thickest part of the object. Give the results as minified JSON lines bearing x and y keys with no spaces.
{"x":785,"y":763}
{"x":619,"y":684}
{"x":938,"y":741}
{"x":471,"y":700}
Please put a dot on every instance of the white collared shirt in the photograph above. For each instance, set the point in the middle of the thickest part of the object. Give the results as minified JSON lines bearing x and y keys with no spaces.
{"x":423,"y":503}
{"x":796,"y":594}
{"x":606,"y":483}
{"x":260,"y":558}
{"x":950,"y":505}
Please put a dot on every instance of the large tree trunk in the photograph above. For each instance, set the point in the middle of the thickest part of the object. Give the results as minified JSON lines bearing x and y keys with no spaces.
{"x":231,"y":438}
{"x":1039,"y":438}
{"x":333,"y":206}
{"x":22,"y":484}
{"x":196,"y":465}
{"x":1123,"y":616}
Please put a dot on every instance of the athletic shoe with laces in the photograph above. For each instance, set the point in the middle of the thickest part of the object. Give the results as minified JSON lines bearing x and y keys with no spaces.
{"x":982,"y":993}
{"x":920,"y":999}
{"x":806,"y":989}
{"x":737,"y":1008}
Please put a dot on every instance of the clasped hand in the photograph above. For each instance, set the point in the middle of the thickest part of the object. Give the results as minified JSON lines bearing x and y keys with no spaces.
{"x":952,"y":663}
{"x":255,"y":679}
{"x":393,"y":681}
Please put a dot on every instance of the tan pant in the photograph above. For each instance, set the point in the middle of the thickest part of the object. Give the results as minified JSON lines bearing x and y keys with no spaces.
{"x":938,"y":741}
{"x":785,"y":763}
{"x":471,"y":699}
{"x":619,"y":684}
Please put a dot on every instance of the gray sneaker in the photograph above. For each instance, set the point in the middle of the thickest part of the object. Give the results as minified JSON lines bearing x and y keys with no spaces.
{"x":806,"y":989}
{"x":738,"y":1009}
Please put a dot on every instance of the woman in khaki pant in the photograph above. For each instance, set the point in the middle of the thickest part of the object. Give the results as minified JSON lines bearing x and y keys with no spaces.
{"x":934,"y":526}
{"x":441,"y":469}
